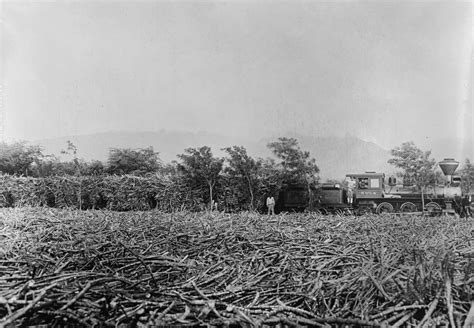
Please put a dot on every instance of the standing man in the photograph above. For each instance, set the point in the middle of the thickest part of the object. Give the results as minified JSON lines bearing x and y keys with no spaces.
{"x":466,"y":206}
{"x":213,"y":205}
{"x":271,"y":205}
{"x":350,"y":190}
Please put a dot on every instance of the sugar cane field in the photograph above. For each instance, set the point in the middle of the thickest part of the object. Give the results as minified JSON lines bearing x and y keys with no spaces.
{"x":105,"y":268}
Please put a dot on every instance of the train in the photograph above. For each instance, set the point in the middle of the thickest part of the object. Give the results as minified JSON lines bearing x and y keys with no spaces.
{"x":373,"y":192}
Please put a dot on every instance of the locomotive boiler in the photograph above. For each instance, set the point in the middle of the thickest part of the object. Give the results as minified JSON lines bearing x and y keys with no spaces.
{"x":372,"y":192}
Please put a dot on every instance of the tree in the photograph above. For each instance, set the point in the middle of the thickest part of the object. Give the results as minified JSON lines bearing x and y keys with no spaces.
{"x":19,"y":158}
{"x":415,"y":164}
{"x":200,"y":167}
{"x":73,"y":167}
{"x":467,"y":176}
{"x":71,"y":149}
{"x":133,"y":161}
{"x":244,"y":169}
{"x":296,"y":165}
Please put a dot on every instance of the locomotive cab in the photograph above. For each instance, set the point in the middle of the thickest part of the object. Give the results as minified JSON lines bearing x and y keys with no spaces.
{"x":368,"y":185}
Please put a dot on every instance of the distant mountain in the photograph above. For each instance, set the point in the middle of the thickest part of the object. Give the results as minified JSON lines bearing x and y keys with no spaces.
{"x":335,"y":156}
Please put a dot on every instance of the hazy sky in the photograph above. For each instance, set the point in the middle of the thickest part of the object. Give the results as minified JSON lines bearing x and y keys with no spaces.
{"x":384,"y":71}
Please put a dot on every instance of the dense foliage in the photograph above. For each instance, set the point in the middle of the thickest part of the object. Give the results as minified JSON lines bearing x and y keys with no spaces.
{"x":200,"y":168}
{"x":467,"y":176}
{"x":296,"y":165}
{"x":136,"y":179}
{"x":417,"y":165}
{"x":133,"y":161}
{"x":243,"y":171}
{"x":19,"y":158}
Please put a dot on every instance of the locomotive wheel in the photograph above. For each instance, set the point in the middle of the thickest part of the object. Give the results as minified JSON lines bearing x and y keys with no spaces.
{"x":384,"y":208}
{"x":408,"y":207}
{"x":433,"y":209}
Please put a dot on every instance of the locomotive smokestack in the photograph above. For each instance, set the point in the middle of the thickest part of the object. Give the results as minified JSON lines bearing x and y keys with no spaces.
{"x":448,"y":166}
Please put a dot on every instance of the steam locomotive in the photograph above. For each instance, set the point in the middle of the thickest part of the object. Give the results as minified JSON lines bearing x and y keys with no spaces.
{"x":373,"y":193}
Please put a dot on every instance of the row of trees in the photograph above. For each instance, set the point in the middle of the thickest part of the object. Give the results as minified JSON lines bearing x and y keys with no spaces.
{"x":247,"y":175}
{"x":238,"y":174}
